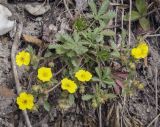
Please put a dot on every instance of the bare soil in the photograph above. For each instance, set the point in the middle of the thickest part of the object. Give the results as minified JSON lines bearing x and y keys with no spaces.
{"x":134,"y":111}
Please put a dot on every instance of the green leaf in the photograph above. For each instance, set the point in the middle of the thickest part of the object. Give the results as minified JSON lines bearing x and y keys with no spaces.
{"x":46,"y":106}
{"x":106,"y":72}
{"x":47,"y":54}
{"x":103,"y":54}
{"x":108,"y":32}
{"x":103,"y":8}
{"x":111,"y":96}
{"x":71,"y":99}
{"x":144,"y":23}
{"x":109,"y":81}
{"x":141,"y":6}
{"x":98,"y":71}
{"x":87,"y":97}
{"x":93,"y":7}
{"x":115,"y":54}
{"x":134,"y":16}
{"x":95,"y":79}
{"x":30,"y":49}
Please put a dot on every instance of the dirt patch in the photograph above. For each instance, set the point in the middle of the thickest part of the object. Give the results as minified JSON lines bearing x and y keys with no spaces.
{"x":136,"y":111}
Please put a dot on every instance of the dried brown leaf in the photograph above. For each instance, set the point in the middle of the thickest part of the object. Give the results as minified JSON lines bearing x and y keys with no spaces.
{"x":117,"y":89}
{"x":122,"y":75}
{"x":6,"y":92}
{"x":32,"y":39}
{"x":119,"y":83}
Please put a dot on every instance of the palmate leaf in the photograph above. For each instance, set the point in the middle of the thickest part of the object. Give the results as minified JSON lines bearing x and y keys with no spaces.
{"x":103,"y":8}
{"x":141,"y":6}
{"x":64,"y":37}
{"x":134,"y":16}
{"x":87,"y":97}
{"x":109,"y":81}
{"x":108,"y":16}
{"x":70,"y":45}
{"x":111,"y":95}
{"x":93,"y":7}
{"x":144,"y":23}
{"x":47,"y":106}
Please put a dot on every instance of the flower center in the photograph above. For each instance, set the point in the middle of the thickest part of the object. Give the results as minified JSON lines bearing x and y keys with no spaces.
{"x":68,"y":85}
{"x":83,"y":75}
{"x":24,"y":101}
{"x":22,"y":59}
{"x":45,"y":74}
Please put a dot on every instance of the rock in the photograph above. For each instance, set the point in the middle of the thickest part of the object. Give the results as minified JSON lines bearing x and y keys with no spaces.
{"x":5,"y":24}
{"x":37,"y":10}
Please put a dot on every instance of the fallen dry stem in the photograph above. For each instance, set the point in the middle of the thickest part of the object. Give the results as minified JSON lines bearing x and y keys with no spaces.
{"x":66,"y":6}
{"x":129,"y":25}
{"x":15,"y":73}
{"x":48,"y":91}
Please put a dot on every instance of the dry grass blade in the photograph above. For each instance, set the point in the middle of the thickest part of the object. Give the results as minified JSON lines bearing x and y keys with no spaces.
{"x":6,"y":92}
{"x":32,"y":39}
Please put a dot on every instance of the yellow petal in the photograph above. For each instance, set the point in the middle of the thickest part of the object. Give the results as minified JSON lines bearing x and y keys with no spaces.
{"x":44,"y":74}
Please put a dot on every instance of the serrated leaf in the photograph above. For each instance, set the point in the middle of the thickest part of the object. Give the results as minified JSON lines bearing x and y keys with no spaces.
{"x":106,"y":72}
{"x":141,"y":6}
{"x":87,"y":97}
{"x":98,"y":71}
{"x":71,"y":99}
{"x":109,"y":81}
{"x":111,"y":96}
{"x":64,"y":38}
{"x":103,"y":8}
{"x":30,"y":49}
{"x":93,"y":7}
{"x":110,"y":15}
{"x":108,"y":32}
{"x":134,"y":16}
{"x":46,"y":106}
{"x":144,"y":23}
{"x":48,"y":54}
{"x":95,"y":79}
{"x":104,"y":55}
{"x":115,"y":54}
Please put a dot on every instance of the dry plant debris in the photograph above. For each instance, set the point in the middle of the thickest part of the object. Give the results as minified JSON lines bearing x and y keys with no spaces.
{"x":91,"y":58}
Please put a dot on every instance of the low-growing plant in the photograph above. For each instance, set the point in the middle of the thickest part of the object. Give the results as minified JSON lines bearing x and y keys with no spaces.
{"x":140,"y":14}
{"x":86,"y":64}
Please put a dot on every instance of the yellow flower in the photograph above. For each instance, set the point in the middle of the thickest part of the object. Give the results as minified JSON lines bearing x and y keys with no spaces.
{"x":25,"y":101}
{"x":44,"y":74}
{"x":83,"y":75}
{"x":23,"y":58}
{"x":69,"y":85}
{"x":141,"y":51}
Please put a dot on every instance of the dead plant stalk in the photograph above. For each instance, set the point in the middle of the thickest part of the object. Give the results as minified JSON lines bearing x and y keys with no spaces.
{"x":15,"y":73}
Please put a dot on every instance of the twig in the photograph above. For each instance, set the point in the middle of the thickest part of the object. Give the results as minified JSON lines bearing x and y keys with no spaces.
{"x":48,"y":91}
{"x":153,"y":120}
{"x":100,"y":116}
{"x":152,"y":35}
{"x":57,"y":73}
{"x":130,"y":10}
{"x":15,"y":73}
{"x":122,"y":15}
{"x":156,"y":94}
{"x":115,"y":29}
{"x":66,"y":6}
